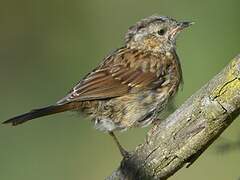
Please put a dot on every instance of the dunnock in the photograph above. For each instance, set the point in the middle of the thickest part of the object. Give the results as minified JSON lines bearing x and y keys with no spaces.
{"x":131,"y":85}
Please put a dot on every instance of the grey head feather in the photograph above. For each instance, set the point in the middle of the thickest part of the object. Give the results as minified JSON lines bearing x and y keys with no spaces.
{"x":144,"y":23}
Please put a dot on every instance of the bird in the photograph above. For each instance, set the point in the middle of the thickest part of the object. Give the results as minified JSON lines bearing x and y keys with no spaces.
{"x":131,"y":86}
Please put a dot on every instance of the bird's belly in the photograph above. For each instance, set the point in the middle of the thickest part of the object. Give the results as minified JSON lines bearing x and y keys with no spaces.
{"x":128,"y":111}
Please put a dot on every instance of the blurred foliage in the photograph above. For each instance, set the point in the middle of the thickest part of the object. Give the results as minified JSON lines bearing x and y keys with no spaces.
{"x":228,"y":145}
{"x":46,"y":46}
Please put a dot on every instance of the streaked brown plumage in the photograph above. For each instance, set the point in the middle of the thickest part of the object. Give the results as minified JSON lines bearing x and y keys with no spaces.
{"x":132,"y":85}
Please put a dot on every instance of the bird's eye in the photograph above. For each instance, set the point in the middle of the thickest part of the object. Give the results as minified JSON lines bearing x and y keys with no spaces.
{"x":161,"y":32}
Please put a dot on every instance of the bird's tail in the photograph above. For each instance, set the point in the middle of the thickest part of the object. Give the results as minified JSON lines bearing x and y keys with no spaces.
{"x":36,"y":113}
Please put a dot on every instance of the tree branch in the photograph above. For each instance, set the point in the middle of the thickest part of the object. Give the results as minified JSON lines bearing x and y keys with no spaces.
{"x":188,"y":132}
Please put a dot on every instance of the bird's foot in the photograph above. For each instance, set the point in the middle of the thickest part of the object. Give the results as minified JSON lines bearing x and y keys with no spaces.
{"x":123,"y":152}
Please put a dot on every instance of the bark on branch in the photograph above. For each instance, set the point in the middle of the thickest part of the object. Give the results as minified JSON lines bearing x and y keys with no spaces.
{"x":180,"y":139}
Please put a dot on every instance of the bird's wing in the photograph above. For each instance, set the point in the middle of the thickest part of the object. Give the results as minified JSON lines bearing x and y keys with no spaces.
{"x":117,"y":76}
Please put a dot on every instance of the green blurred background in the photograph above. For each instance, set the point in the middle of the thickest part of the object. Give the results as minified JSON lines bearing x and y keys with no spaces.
{"x":46,"y":46}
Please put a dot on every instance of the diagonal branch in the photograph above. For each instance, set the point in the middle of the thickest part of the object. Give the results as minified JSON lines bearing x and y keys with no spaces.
{"x":188,"y":132}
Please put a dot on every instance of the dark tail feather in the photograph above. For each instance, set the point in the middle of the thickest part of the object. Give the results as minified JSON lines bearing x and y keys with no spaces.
{"x":36,"y":113}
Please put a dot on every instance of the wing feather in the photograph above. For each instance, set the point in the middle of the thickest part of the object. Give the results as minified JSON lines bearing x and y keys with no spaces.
{"x":114,"y":79}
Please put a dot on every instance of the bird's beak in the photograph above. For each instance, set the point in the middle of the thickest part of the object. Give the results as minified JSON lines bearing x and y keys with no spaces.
{"x":184,"y":24}
{"x":179,"y":27}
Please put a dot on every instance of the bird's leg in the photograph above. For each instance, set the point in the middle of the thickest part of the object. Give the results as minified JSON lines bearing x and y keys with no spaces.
{"x":123,"y":152}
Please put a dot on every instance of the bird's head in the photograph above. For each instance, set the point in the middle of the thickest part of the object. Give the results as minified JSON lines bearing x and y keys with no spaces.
{"x":155,"y":33}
